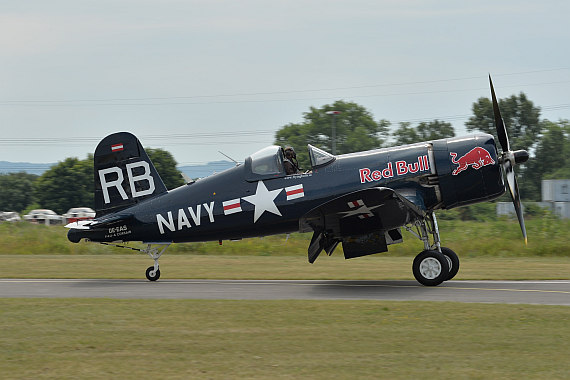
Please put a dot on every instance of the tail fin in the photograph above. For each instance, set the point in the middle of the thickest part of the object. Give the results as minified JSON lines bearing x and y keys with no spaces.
{"x":124,"y":174}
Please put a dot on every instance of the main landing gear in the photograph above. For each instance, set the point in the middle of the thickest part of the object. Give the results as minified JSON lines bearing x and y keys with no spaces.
{"x":435,"y":264}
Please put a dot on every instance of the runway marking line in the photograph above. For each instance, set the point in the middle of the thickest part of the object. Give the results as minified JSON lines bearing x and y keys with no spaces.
{"x":510,"y":290}
{"x":442,"y":288}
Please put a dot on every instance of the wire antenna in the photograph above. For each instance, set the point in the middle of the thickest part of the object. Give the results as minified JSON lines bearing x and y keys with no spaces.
{"x":225,"y":155}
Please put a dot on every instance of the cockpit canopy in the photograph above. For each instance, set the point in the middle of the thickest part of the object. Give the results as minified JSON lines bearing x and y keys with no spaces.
{"x":268,"y":162}
{"x":319,"y":157}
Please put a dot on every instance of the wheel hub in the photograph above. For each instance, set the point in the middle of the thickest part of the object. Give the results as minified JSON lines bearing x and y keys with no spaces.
{"x":430,"y":268}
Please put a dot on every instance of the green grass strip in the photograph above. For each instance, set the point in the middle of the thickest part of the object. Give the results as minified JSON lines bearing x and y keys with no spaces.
{"x":375,"y":267}
{"x":548,"y":236}
{"x":183,"y":339}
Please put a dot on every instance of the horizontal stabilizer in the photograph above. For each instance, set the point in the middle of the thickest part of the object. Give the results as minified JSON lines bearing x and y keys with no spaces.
{"x":80,"y":224}
{"x":110,"y":219}
{"x":100,"y":222}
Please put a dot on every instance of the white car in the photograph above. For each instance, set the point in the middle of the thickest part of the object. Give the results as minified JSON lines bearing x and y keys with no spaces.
{"x":9,"y":216}
{"x":43,"y":216}
{"x":78,"y":213}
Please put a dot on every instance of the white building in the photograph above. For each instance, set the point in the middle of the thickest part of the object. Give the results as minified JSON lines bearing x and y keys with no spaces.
{"x":557,"y":193}
{"x":555,"y":197}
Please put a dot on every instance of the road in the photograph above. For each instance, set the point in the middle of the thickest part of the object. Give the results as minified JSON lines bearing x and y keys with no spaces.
{"x":511,"y":292}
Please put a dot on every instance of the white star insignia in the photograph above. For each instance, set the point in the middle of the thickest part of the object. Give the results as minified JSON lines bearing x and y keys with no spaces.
{"x":263,"y":200}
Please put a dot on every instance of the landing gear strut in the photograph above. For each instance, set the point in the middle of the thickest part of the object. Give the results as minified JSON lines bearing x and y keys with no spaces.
{"x":435,"y":264}
{"x":153,"y":272}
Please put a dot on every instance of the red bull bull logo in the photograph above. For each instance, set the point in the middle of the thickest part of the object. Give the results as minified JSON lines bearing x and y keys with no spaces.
{"x":476,"y":158}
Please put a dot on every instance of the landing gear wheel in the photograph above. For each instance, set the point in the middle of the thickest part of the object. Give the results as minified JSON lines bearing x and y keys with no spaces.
{"x":452,"y":260}
{"x":151,"y":274}
{"x":430,"y":268}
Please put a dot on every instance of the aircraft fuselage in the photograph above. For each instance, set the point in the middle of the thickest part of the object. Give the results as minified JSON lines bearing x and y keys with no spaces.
{"x":237,"y":203}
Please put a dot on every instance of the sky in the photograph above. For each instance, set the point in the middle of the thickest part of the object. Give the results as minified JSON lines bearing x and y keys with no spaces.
{"x":196,"y":77}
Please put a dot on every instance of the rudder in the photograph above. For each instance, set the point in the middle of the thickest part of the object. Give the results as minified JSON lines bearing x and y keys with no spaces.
{"x":124,"y":174}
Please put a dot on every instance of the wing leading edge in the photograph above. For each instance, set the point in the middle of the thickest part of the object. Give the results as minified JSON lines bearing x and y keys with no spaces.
{"x":365,"y":221}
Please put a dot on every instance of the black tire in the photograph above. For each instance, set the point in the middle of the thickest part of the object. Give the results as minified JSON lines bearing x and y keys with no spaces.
{"x":156,"y":275}
{"x":453,"y":259}
{"x":430,"y":268}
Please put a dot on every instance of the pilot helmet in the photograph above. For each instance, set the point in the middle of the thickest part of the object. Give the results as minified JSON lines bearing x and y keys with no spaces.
{"x":290,"y":152}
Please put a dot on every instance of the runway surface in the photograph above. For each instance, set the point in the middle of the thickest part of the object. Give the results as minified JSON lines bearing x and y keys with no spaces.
{"x":513,"y":292}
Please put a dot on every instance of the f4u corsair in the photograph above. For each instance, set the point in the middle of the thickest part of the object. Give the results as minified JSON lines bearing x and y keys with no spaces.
{"x":361,"y":200}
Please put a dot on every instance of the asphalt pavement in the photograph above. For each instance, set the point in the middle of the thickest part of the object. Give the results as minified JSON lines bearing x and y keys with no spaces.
{"x":510,"y":292}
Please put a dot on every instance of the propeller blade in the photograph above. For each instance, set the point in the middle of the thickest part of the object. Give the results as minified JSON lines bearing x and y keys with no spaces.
{"x":508,"y":159}
{"x":515,"y":195}
{"x":499,"y":124}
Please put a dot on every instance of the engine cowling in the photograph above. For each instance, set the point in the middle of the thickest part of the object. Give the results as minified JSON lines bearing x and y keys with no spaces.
{"x":468,"y":169}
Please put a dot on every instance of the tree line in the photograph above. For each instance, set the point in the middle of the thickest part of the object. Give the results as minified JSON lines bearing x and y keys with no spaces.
{"x":70,"y":183}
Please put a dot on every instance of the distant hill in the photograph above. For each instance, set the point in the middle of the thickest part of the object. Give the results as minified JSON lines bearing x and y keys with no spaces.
{"x":16,"y":167}
{"x":192,"y":171}
{"x":201,"y":171}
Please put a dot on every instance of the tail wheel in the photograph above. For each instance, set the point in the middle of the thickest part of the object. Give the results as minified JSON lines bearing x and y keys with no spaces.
{"x":452,"y":260}
{"x":430,"y":268}
{"x":151,"y":274}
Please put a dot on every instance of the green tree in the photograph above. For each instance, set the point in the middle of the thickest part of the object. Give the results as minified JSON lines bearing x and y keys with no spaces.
{"x":65,"y":185}
{"x":519,"y":114}
{"x":16,"y":191}
{"x":356,"y":130}
{"x":551,"y":159}
{"x":432,"y":130}
{"x":405,"y":134}
{"x":165,"y":165}
{"x":563,"y":172}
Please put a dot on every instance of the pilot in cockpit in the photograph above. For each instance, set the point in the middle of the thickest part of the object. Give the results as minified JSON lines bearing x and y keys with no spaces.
{"x":290,"y":162}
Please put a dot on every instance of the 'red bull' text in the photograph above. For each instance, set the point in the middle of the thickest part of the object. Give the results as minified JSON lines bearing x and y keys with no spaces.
{"x":397,"y":168}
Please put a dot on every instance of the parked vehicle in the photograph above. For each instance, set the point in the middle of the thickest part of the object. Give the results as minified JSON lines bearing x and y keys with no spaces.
{"x":78,"y":213}
{"x":43,"y":216}
{"x":9,"y":216}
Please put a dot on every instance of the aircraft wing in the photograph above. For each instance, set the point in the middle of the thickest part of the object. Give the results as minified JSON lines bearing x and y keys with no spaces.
{"x":360,"y":220}
{"x":376,"y":208}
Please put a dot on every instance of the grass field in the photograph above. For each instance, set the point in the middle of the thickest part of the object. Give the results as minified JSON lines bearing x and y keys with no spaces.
{"x":135,"y":339}
{"x":31,"y":251}
{"x":501,"y":238}
{"x":375,"y":267}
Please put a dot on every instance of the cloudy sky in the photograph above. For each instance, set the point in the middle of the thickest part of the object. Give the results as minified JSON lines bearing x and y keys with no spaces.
{"x":198,"y":76}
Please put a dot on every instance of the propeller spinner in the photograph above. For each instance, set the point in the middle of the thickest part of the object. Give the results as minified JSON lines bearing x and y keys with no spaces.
{"x":508,"y":159}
